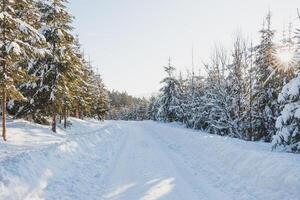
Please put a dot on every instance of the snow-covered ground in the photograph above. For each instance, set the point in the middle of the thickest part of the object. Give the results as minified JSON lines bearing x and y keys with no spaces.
{"x":117,"y":160}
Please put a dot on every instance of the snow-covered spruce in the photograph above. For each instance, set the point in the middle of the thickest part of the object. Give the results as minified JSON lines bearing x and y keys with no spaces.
{"x":169,"y":101}
{"x":266,"y":86}
{"x":288,"y":123}
{"x":61,"y":78}
{"x":19,"y":42}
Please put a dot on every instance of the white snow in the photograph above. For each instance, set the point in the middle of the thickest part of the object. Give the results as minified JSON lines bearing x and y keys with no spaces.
{"x":290,"y":89}
{"x":116,"y":160}
{"x":14,"y":47}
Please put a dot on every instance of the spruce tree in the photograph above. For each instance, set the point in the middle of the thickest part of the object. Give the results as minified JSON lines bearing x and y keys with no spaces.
{"x":288,"y":123}
{"x":249,"y":95}
{"x":237,"y":87}
{"x":192,"y":101}
{"x":62,"y":66}
{"x":81,"y":84}
{"x":153,"y":108}
{"x":100,"y":102}
{"x":266,"y":86}
{"x":170,"y":105}
{"x":19,"y":42}
{"x":218,"y":102}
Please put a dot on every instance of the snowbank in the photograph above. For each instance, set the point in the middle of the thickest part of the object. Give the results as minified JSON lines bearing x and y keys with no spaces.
{"x":248,"y":169}
{"x":33,"y":156}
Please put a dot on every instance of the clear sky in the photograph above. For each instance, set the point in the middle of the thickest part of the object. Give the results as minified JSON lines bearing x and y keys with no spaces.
{"x":129,"y":41}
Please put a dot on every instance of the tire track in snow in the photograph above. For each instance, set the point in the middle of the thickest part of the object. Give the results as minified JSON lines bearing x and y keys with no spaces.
{"x":201,"y":185}
{"x":145,"y":172}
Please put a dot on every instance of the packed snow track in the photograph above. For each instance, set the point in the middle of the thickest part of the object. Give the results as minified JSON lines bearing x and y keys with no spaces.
{"x":118,"y":160}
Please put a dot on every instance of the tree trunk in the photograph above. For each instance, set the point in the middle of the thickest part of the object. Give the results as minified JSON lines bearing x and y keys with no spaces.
{"x":80,"y":113}
{"x":53,"y":117}
{"x":250,"y":136}
{"x":77,"y":112}
{"x":4,"y":95}
{"x":4,"y":114}
{"x":65,"y":117}
{"x":33,"y":117}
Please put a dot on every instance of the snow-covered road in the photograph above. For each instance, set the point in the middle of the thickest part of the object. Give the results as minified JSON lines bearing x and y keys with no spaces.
{"x":119,"y":160}
{"x":145,"y":171}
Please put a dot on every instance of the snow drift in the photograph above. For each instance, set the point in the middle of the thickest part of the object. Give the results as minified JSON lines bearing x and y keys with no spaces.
{"x":249,"y":170}
{"x":33,"y":156}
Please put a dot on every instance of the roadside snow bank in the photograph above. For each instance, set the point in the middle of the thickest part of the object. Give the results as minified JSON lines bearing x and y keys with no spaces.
{"x":34,"y":164}
{"x":248,"y":169}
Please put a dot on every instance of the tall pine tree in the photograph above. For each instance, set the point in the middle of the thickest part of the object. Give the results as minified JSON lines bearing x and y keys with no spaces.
{"x":62,"y":65}
{"x":266,"y":85}
{"x":170,"y":104}
{"x":288,"y":123}
{"x":19,"y":41}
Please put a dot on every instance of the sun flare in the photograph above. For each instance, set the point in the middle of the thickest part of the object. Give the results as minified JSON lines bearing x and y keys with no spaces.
{"x":285,"y":58}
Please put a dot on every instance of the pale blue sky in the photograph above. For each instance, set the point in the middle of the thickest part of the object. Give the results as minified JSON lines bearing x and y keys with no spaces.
{"x":130,"y":40}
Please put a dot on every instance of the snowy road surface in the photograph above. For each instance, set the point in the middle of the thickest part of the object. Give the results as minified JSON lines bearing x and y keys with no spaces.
{"x":119,"y":160}
{"x":144,"y":170}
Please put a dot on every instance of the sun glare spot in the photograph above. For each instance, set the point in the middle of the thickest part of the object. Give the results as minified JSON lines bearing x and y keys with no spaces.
{"x":159,"y":190}
{"x":285,"y":57}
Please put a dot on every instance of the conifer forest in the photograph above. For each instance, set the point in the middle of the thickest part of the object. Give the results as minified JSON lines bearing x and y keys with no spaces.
{"x":227,"y":127}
